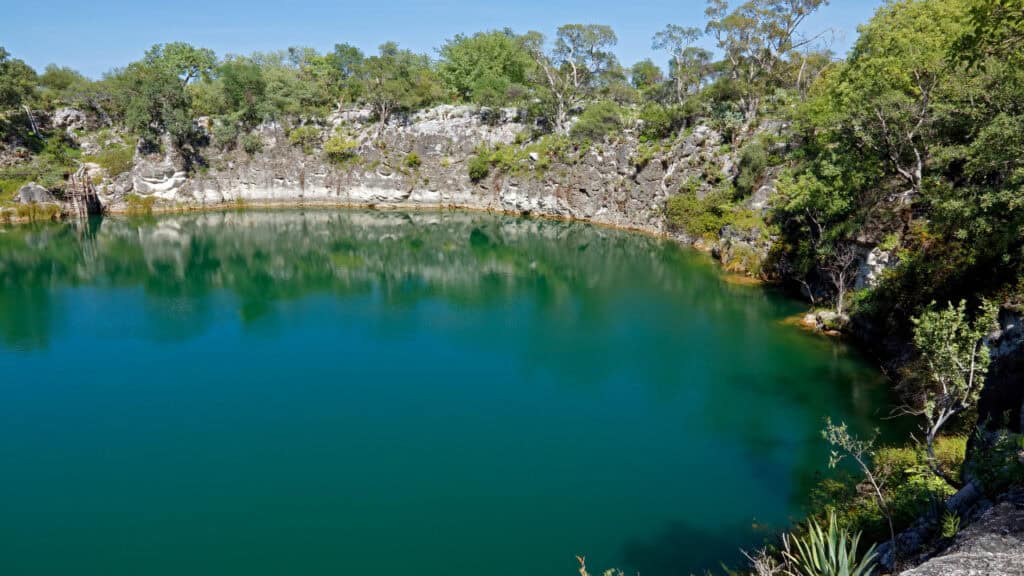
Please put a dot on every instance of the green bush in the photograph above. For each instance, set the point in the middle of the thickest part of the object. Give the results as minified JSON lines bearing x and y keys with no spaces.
{"x":412,"y":160}
{"x":752,"y":164}
{"x":340,"y":149}
{"x":252,"y":144}
{"x":703,"y":218}
{"x":225,"y":135}
{"x":479,"y":167}
{"x":660,"y":122}
{"x":597,"y":121}
{"x":305,"y":137}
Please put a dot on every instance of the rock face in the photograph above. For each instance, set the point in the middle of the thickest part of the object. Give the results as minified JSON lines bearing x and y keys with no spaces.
{"x":992,"y":545}
{"x":1003,"y":395}
{"x":873,"y":264}
{"x":33,"y":193}
{"x":70,"y":119}
{"x":604,"y":183}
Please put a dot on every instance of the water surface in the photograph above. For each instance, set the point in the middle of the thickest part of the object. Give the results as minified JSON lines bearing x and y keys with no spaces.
{"x":327,"y":392}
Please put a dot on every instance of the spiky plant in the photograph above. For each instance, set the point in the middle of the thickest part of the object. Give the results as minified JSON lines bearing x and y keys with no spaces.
{"x":831,"y":552}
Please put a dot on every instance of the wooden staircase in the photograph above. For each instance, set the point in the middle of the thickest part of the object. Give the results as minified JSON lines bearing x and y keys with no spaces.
{"x":80,"y":196}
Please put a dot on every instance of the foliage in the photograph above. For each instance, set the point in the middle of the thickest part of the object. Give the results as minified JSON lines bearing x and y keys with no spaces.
{"x":755,"y":37}
{"x":115,"y":160}
{"x":412,"y":160}
{"x":598,"y":121}
{"x":34,"y":212}
{"x":479,"y":167}
{"x":950,"y":525}
{"x":252,"y":143}
{"x":17,"y":81}
{"x":306,"y":137}
{"x":487,"y":68}
{"x":140,"y":205}
{"x":702,"y":218}
{"x":398,"y":80}
{"x":957,"y":358}
{"x":830,"y":552}
{"x":752,"y":163}
{"x":339,"y":148}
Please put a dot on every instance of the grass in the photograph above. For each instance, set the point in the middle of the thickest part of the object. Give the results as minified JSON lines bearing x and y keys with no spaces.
{"x":115,"y":160}
{"x":140,"y":205}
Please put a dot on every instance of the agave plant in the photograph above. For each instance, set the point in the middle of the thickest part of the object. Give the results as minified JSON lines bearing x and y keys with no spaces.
{"x":831,"y":552}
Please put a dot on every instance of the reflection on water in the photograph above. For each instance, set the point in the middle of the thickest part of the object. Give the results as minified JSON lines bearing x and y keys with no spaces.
{"x":388,"y":392}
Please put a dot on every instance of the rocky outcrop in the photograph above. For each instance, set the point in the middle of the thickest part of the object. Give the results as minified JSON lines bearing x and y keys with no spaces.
{"x":991,"y":545}
{"x":33,"y":193}
{"x":604,"y":183}
{"x":1002,"y":400}
{"x":70,"y":119}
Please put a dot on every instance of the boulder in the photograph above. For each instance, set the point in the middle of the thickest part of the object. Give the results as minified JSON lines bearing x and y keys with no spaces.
{"x":992,"y":544}
{"x":33,"y":193}
{"x":69,"y":119}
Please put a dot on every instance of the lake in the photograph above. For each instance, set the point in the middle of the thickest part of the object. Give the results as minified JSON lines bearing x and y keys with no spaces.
{"x":386,"y":393}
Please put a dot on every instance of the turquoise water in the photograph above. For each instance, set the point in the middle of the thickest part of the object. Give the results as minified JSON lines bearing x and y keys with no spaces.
{"x":356,"y":392}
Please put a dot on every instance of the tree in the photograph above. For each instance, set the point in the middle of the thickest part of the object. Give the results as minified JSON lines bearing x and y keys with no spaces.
{"x":756,"y":38}
{"x":244,"y":89}
{"x":17,"y":83}
{"x":348,"y":61}
{"x":397,"y":80}
{"x":575,"y":67}
{"x":488,"y":68}
{"x":956,"y":359}
{"x":646,"y":75}
{"x":839,"y":263}
{"x":688,"y":63}
{"x":846,"y":445}
{"x":886,"y":94}
{"x":995,"y":29}
{"x":183,"y":60}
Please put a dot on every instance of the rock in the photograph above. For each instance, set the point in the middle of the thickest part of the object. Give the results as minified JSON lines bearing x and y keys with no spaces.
{"x":70,"y":119}
{"x":989,"y":546}
{"x":33,"y":193}
{"x":872,"y":266}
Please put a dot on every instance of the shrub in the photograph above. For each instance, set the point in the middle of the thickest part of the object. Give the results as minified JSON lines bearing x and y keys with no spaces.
{"x":225,"y":135}
{"x":701,"y":218}
{"x":753,"y":161}
{"x":252,"y":144}
{"x":116,"y":159}
{"x":305,"y":137}
{"x":340,"y":149}
{"x":140,"y":205}
{"x":658,"y":122}
{"x":831,"y":552}
{"x":479,"y":167}
{"x":597,"y":121}
{"x":412,"y":160}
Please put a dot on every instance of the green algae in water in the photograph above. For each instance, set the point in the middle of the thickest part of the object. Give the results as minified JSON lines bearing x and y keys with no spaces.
{"x":332,"y":392}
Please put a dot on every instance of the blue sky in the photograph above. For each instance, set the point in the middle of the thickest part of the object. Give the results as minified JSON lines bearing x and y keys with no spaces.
{"x":94,"y":37}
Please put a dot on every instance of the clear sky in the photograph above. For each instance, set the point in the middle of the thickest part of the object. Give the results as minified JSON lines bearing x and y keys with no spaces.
{"x":94,"y":37}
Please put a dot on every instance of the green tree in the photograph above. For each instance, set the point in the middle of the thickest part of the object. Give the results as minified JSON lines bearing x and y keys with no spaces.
{"x":398,"y":80}
{"x":574,"y":69}
{"x":488,"y":68}
{"x":956,"y":359}
{"x":244,"y":89}
{"x":646,"y":75}
{"x":688,"y":63}
{"x":756,"y":39}
{"x":17,"y":82}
